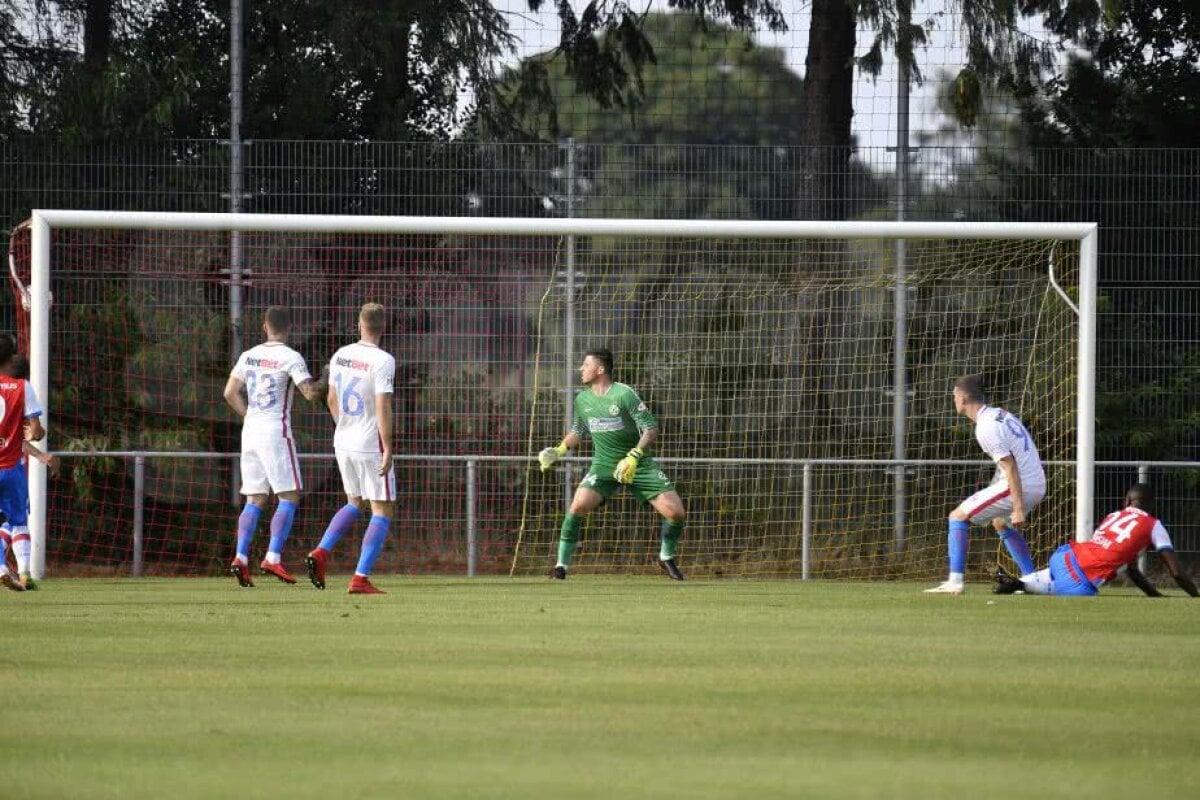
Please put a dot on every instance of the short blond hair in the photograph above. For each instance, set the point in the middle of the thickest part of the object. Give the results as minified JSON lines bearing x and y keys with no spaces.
{"x":372,"y":317}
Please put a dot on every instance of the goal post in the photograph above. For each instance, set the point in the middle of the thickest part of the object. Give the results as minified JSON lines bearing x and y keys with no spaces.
{"x":773,"y":243}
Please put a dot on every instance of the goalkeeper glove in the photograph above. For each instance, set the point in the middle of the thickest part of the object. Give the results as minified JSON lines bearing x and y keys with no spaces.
{"x":548,"y":457}
{"x":628,"y":465}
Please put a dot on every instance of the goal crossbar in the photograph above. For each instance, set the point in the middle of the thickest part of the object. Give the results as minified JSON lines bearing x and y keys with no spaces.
{"x":575,"y":226}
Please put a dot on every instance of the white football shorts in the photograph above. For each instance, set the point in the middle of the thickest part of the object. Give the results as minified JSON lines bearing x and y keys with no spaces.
{"x":361,"y":478}
{"x":270,"y":466}
{"x":996,"y":501}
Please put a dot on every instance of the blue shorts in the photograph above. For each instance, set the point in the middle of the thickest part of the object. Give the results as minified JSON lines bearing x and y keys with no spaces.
{"x":14,"y":495}
{"x":1067,"y":576}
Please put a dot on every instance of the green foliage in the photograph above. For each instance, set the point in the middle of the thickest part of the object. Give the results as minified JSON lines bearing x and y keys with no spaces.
{"x":313,"y":70}
{"x":97,"y":337}
{"x":87,"y":474}
{"x":388,"y":69}
{"x":737,"y":93}
{"x":1138,"y":89}
{"x":732,"y":151}
{"x":605,"y":48}
{"x":1147,"y":417}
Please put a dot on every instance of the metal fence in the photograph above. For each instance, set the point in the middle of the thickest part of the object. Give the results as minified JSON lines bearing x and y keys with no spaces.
{"x":1145,"y":200}
{"x":463,"y":550}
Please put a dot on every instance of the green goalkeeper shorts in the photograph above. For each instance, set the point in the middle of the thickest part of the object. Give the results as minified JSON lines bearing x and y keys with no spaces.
{"x":648,"y":482}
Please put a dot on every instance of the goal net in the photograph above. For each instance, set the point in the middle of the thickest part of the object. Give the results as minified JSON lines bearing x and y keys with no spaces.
{"x":766,"y":352}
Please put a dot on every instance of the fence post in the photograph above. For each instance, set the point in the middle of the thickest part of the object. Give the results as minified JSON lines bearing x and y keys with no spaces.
{"x":806,"y":525}
{"x":472,"y":542}
{"x":139,"y":512}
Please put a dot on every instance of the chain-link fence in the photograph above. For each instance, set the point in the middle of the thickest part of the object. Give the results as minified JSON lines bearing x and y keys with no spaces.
{"x":1145,"y":201}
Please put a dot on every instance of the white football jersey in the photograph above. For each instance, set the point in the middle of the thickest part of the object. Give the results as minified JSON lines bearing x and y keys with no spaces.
{"x":1001,"y":434}
{"x":357,"y":374}
{"x":271,"y":371}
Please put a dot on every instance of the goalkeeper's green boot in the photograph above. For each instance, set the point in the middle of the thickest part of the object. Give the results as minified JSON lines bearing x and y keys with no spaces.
{"x":670,"y":568}
{"x":28,"y":583}
{"x":559,"y":573}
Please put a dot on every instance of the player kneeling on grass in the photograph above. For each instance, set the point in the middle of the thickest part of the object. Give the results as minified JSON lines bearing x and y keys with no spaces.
{"x":260,"y":391}
{"x":361,"y":378}
{"x":1020,"y":484}
{"x":621,"y":429}
{"x":20,"y":422}
{"x":1079,"y":568}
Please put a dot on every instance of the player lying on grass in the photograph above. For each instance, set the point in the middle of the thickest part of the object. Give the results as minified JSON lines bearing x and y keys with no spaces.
{"x":622,"y":429}
{"x":1019,"y":485}
{"x":260,"y":391}
{"x":1079,"y":568}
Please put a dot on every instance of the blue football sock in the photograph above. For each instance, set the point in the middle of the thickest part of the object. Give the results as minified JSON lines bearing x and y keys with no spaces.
{"x":281,"y":525}
{"x":1018,"y":548}
{"x":342,"y":521}
{"x":958,"y":545}
{"x":372,"y":544}
{"x":247,"y":522}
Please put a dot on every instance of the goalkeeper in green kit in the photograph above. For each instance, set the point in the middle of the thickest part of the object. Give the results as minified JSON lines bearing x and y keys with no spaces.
{"x":622,"y":430}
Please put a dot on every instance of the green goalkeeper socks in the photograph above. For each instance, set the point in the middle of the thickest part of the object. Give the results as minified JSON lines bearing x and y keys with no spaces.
{"x":568,"y":537}
{"x":670,"y":539}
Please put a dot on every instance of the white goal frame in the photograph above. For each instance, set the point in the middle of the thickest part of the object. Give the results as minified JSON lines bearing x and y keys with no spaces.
{"x":43,"y":221}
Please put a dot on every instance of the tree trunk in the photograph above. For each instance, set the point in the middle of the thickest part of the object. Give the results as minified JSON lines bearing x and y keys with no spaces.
{"x":828,"y":108}
{"x":97,"y":34}
{"x":387,"y":116}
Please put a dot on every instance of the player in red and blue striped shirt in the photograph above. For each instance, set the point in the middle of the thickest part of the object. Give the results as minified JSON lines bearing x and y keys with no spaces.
{"x":1080,"y":568}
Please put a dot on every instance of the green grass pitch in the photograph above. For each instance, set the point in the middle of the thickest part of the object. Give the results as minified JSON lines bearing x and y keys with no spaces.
{"x":596,"y":688}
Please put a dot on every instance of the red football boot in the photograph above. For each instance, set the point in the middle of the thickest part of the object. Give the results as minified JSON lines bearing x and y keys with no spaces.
{"x":361,"y":584}
{"x":11,"y":583}
{"x":315,"y":561}
{"x":277,"y":570}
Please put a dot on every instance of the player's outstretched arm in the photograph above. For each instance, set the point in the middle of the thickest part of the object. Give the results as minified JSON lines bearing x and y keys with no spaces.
{"x":1181,"y":578}
{"x":51,"y":461}
{"x":234,"y":396}
{"x":315,"y":390}
{"x":1141,"y":581}
{"x":312,"y":390}
{"x":549,"y":457}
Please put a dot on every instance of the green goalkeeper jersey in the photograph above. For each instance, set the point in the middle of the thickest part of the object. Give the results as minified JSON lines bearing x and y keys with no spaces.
{"x":614,"y":421}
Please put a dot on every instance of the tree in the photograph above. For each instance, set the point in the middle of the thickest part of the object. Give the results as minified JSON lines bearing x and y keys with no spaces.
{"x":10,"y":41}
{"x":374,"y":69}
{"x":828,"y":98}
{"x":730,"y":151}
{"x":1139,"y":88}
{"x":97,"y":33}
{"x":999,"y":55}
